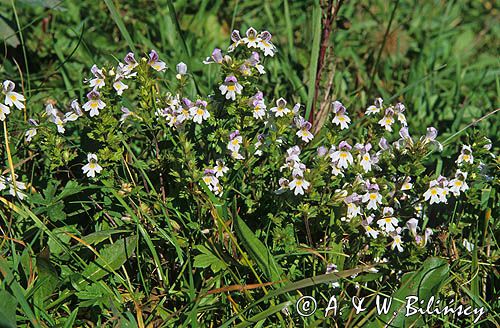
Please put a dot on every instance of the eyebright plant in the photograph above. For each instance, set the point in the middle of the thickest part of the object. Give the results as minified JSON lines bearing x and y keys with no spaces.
{"x":363,"y":185}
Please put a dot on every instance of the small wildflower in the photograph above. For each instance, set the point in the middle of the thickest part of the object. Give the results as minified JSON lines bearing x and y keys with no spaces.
{"x":130,"y":63}
{"x":407,"y":185}
{"x":12,"y":98}
{"x":119,"y":86}
{"x":343,"y":156}
{"x":236,"y":38}
{"x":412,"y":225}
{"x":14,"y":188}
{"x":304,"y":127}
{"x":32,"y":131}
{"x":465,"y":155}
{"x":94,"y":104}
{"x":230,"y":87}
{"x":298,"y":185}
{"x":322,"y":151}
{"x":341,"y":117}
{"x":353,"y":209}
{"x":220,"y":168}
{"x":235,"y":141}
{"x":364,"y":156}
{"x":368,"y":229}
{"x":400,"y":109}
{"x":387,"y":121}
{"x":436,"y":193}
{"x":210,"y":179}
{"x":155,"y":62}
{"x":91,"y":168}
{"x":468,"y":245}
{"x":259,"y":107}
{"x":372,"y":197}
{"x":181,"y":69}
{"x":458,"y":184}
{"x":388,"y":222}
{"x":252,"y":40}
{"x":254,"y":61}
{"x":199,"y":111}
{"x":396,"y":240}
{"x":266,"y":45}
{"x":375,"y":109}
{"x":98,"y":81}
{"x":280,"y":110}
{"x":125,"y":113}
{"x":4,"y":111}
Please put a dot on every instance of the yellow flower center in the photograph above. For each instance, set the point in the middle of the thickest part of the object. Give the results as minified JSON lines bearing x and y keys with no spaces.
{"x":434,"y":191}
{"x":458,"y":183}
{"x":13,"y":97}
{"x":200,"y":111}
{"x":343,"y":154}
{"x":298,"y":183}
{"x":231,"y":87}
{"x":93,"y":104}
{"x":373,"y":196}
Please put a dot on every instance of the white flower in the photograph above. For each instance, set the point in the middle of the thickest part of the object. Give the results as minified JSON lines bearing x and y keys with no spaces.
{"x":59,"y":123}
{"x":304,"y":133}
{"x":374,"y":109}
{"x":14,"y":188}
{"x":235,"y":143}
{"x":468,"y":245}
{"x":4,"y":111}
{"x":252,"y":40}
{"x":353,"y":210}
{"x":407,"y":185}
{"x":266,"y":45}
{"x":30,"y":134}
{"x":155,"y":62}
{"x":230,"y":87}
{"x":342,"y":156}
{"x":412,"y":225}
{"x":386,"y":122}
{"x":436,"y":193}
{"x":458,"y":184}
{"x":298,"y":185}
{"x":98,"y":81}
{"x":12,"y":98}
{"x":94,"y":104}
{"x":373,"y":198}
{"x":125,"y":113}
{"x":181,"y":69}
{"x":280,"y":109}
{"x":220,"y":168}
{"x":119,"y":86}
{"x":388,"y":222}
{"x":397,"y":242}
{"x":340,"y":117}
{"x":366,"y":162}
{"x":199,"y":111}
{"x":211,"y":180}
{"x":259,"y":110}
{"x":465,"y":155}
{"x":91,"y":168}
{"x":368,"y":229}
{"x":236,"y":155}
